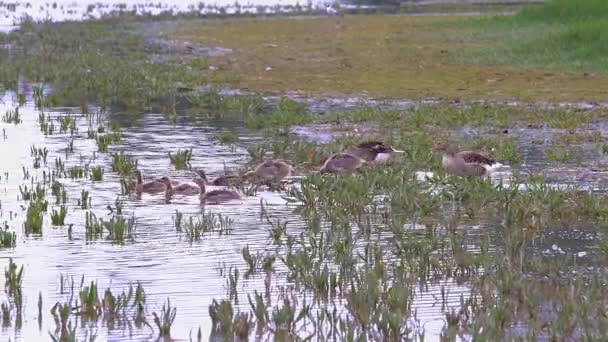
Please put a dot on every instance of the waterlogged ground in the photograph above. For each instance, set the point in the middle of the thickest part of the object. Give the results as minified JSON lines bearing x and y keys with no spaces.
{"x":192,"y":273}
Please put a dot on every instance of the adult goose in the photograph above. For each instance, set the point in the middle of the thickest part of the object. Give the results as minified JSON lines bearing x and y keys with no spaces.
{"x":465,"y":163}
{"x":373,"y":151}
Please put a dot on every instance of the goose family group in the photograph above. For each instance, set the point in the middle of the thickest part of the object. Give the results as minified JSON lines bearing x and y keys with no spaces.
{"x":455,"y":162}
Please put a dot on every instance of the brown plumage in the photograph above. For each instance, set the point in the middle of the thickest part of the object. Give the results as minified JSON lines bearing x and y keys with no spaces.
{"x":180,"y":188}
{"x":341,"y":163}
{"x":214,"y":196}
{"x":371,"y":151}
{"x":225,"y":180}
{"x":152,"y":187}
{"x":271,"y":170}
{"x":464,"y":163}
{"x":474,"y":157}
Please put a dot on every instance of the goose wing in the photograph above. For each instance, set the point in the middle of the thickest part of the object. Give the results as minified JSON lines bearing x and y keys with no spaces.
{"x":476,"y":158}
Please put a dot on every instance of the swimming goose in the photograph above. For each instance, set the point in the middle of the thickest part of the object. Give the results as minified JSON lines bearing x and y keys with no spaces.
{"x":375,"y":151}
{"x":160,"y":180}
{"x":465,"y":163}
{"x":225,"y":180}
{"x":341,"y":163}
{"x":214,"y":196}
{"x":180,"y":188}
{"x":152,"y":187}
{"x":271,"y":170}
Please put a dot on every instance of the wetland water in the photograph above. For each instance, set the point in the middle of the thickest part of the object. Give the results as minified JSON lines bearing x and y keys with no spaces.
{"x":423,"y":251}
{"x":161,"y":259}
{"x":13,"y":12}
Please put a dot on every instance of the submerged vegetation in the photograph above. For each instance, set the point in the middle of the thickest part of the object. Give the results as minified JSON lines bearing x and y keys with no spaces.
{"x":351,"y":257}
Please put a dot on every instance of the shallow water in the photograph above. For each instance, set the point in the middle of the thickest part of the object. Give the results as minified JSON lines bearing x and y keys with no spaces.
{"x":166,"y":264}
{"x":12,"y":13}
{"x":161,"y":259}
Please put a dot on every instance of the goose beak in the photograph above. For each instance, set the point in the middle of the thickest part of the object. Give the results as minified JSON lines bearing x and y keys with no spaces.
{"x":398,"y":151}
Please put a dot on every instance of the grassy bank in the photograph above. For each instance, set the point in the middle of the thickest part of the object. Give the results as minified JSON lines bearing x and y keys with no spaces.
{"x":548,"y":53}
{"x":559,"y":35}
{"x":551,"y":52}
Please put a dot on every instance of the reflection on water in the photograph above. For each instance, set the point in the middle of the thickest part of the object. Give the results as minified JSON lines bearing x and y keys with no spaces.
{"x":166,"y":264}
{"x":160,"y":258}
{"x":12,"y":12}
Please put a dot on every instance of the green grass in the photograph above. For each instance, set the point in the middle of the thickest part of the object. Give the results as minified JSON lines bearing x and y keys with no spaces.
{"x":287,"y":113}
{"x":557,"y":35}
{"x":563,"y":10}
{"x":103,"y":61}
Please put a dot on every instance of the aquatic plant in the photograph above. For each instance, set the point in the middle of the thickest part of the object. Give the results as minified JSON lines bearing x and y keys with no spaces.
{"x":251,"y":260}
{"x":222,"y":316}
{"x":118,"y":206}
{"x":207,"y":222}
{"x":105,"y":140}
{"x":58,"y":190}
{"x":97,"y":174}
{"x":67,"y":123}
{"x":165,"y":320}
{"x":34,"y":218}
{"x":227,"y":138}
{"x":84,"y":202}
{"x":7,"y":239}
{"x":177,"y":220}
{"x":76,"y":172}
{"x":181,"y":159}
{"x":64,"y":330}
{"x":39,"y":152}
{"x":257,"y":153}
{"x":58,"y":217}
{"x":90,"y":305}
{"x":13,"y":278}
{"x":5,"y":309}
{"x":119,"y":229}
{"x":12,"y":116}
{"x":59,"y":166}
{"x":93,"y":226}
{"x":123,"y":165}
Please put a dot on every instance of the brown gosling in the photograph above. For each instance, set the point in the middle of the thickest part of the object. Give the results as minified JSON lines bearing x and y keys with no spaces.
{"x":180,"y":188}
{"x":225,"y":180}
{"x":274,"y":170}
{"x":152,"y":187}
{"x":214,"y":196}
{"x":341,"y":163}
